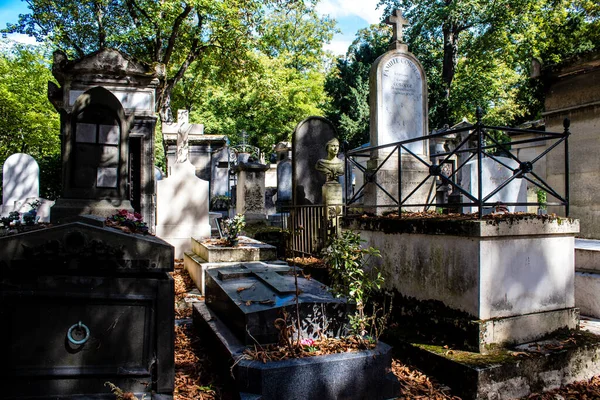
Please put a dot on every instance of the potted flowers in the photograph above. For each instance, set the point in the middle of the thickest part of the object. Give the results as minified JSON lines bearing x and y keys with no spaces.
{"x":232,"y":228}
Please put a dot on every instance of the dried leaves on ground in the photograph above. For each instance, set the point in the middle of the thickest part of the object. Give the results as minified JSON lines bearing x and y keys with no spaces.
{"x":305,"y":261}
{"x":585,"y":390}
{"x":193,"y":376}
{"x":308,"y":348}
{"x":183,"y":285}
{"x":416,"y":385}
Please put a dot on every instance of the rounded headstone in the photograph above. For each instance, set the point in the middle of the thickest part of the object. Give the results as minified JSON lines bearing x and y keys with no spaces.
{"x":20,"y":177}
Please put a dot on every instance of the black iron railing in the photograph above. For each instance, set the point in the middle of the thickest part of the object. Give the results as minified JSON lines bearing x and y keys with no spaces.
{"x":473,"y":142}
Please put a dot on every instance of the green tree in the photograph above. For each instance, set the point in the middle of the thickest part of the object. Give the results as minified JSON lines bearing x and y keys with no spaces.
{"x":28,"y":122}
{"x":280,"y":85}
{"x":347,"y":84}
{"x":295,"y":32}
{"x":170,"y":32}
{"x":477,"y":52}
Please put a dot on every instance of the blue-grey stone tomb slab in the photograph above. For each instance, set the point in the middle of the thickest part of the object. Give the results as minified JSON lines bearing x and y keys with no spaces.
{"x":249,"y":298}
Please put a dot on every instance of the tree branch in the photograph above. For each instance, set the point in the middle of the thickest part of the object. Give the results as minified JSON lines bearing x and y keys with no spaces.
{"x":175,"y":31}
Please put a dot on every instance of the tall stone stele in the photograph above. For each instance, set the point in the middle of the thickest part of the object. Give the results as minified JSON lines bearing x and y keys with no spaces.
{"x":106,"y":102}
{"x":398,"y":101}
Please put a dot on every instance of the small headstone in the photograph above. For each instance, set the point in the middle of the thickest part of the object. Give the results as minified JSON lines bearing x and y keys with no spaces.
{"x":250,"y":196}
{"x":182,"y":207}
{"x":20,"y":179}
{"x":220,"y":172}
{"x":494,"y":174}
{"x":308,"y":147}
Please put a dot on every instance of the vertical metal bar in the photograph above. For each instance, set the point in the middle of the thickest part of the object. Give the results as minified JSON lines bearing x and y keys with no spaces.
{"x":567,"y":124}
{"x":399,"y":150}
{"x":479,"y":114}
{"x":348,"y":173}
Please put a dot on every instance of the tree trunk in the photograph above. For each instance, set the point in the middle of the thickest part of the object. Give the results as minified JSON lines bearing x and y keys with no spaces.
{"x":448,"y":69}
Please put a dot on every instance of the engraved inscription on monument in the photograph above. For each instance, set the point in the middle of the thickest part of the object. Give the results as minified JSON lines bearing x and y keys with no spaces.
{"x":401,"y":109}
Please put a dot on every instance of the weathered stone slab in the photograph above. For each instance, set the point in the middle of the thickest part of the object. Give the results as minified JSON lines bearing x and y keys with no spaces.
{"x":491,"y":270}
{"x":182,"y":207}
{"x":251,"y":296}
{"x":398,"y":99}
{"x":534,"y":368}
{"x":247,"y":250}
{"x":494,"y":172}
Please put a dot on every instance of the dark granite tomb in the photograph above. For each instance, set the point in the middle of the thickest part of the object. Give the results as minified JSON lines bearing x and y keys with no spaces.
{"x":82,"y":304}
{"x":249,"y":298}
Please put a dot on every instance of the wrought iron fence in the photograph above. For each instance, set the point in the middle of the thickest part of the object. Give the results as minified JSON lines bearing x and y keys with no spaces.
{"x":306,"y":225}
{"x":474,"y":142}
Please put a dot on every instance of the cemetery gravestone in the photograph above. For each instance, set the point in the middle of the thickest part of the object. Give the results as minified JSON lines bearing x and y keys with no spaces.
{"x":398,"y":101}
{"x":398,"y":91}
{"x":250,"y":189}
{"x":182,"y":207}
{"x":308,"y":146}
{"x":494,"y":174}
{"x":20,"y":179}
{"x":284,"y":175}
{"x":222,"y":160}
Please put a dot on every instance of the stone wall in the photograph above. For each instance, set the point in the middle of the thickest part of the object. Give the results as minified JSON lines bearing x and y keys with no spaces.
{"x":574,"y":93}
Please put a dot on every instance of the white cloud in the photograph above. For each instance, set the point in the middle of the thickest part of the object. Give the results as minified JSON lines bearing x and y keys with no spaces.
{"x":365,"y":9}
{"x":338,"y":47}
{"x":19,"y":38}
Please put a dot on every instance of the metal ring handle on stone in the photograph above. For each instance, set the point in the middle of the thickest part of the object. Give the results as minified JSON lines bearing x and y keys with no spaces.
{"x":79,"y":326}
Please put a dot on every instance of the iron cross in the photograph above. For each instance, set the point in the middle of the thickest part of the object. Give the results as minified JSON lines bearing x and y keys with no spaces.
{"x":398,"y":22}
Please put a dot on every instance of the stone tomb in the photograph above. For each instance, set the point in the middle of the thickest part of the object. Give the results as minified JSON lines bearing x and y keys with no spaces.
{"x":83,"y":304}
{"x":249,"y":297}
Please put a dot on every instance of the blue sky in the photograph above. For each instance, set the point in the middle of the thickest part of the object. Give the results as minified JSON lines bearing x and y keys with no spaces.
{"x":351,"y":16}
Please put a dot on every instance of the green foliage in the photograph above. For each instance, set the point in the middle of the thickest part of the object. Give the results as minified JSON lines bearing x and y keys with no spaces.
{"x":478,"y":53}
{"x":542,"y":198}
{"x":347,"y":84}
{"x":28,"y":122}
{"x":173,"y":33}
{"x":294,"y":32}
{"x":266,"y":101}
{"x":353,"y":276}
{"x":232,"y":227}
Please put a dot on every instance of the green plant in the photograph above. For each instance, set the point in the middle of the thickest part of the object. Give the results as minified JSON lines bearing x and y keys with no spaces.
{"x":353,"y":276}
{"x":13,"y":219}
{"x":220,"y":202}
{"x":232,"y":228}
{"x":542,"y":199}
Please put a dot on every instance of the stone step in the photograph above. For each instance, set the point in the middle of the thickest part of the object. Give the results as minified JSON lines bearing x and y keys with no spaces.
{"x":587,"y":289}
{"x":587,"y":255}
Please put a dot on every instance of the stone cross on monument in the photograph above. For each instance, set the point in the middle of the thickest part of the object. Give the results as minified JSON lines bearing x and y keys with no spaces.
{"x":398,"y":22}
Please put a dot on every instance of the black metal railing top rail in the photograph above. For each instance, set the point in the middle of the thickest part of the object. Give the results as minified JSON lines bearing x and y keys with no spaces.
{"x":474,"y":143}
